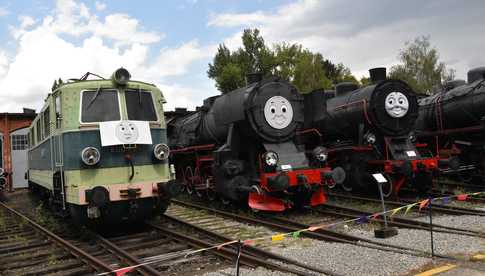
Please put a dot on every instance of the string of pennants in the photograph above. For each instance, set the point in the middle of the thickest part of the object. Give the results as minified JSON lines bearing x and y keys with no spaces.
{"x":296,"y":234}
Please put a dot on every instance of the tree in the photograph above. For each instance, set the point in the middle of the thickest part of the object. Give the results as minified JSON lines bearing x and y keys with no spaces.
{"x":420,"y":66}
{"x":303,"y":68}
{"x":229,"y":69}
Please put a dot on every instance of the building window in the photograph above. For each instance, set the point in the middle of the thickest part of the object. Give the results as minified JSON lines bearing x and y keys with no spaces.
{"x":19,"y":142}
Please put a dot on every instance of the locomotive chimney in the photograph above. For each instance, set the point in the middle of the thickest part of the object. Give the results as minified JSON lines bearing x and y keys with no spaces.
{"x":377,"y":74}
{"x":476,"y":74}
{"x":344,"y":87}
{"x":253,"y":77}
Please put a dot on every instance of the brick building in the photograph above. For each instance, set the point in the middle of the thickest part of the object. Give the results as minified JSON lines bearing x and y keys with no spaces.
{"x":13,"y":146}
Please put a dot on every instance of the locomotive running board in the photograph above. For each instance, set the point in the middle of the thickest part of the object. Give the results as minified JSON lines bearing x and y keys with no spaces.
{"x":265,"y":202}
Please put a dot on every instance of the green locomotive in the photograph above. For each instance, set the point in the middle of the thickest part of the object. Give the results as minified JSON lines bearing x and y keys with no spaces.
{"x":98,"y":152}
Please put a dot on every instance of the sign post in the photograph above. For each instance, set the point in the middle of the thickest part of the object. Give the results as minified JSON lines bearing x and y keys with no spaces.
{"x":386,"y":231}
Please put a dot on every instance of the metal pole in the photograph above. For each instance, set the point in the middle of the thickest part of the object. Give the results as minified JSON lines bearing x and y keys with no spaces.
{"x":239,"y":247}
{"x":431,"y":227}
{"x":383,"y":205}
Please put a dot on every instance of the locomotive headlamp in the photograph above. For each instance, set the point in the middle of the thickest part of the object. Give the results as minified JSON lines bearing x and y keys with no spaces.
{"x":370,"y":138}
{"x":161,"y":151}
{"x":270,"y":158}
{"x":90,"y":156}
{"x":121,"y":76}
{"x":320,"y":153}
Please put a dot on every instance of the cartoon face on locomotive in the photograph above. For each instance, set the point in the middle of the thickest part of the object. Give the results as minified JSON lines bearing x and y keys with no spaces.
{"x":451,"y":125}
{"x":241,"y":146}
{"x":98,"y":150}
{"x":369,"y":130}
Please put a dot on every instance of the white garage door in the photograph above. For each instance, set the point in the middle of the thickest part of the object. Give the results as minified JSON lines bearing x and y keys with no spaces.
{"x":19,"y":157}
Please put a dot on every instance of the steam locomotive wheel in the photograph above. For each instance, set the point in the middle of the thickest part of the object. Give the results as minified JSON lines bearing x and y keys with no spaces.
{"x":188,"y":178}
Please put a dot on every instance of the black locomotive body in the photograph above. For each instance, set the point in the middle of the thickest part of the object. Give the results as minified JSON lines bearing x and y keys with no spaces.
{"x":241,"y":146}
{"x":451,"y":125}
{"x":369,"y":130}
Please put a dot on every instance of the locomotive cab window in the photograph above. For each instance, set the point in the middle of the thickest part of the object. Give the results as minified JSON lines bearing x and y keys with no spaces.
{"x":100,"y":106}
{"x":139,"y":105}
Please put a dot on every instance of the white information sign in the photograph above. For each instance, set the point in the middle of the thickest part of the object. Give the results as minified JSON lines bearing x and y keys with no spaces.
{"x":125,"y":132}
{"x":379,"y":178}
{"x":411,"y":153}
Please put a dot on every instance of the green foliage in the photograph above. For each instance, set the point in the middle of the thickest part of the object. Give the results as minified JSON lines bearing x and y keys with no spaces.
{"x":420,"y":66}
{"x":303,"y":68}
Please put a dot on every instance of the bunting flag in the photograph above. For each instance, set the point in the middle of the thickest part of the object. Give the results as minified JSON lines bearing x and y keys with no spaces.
{"x":374,"y":216}
{"x":123,"y":271}
{"x":395,"y":211}
{"x":446,"y":199}
{"x":362,"y":219}
{"x":409,"y":208}
{"x":314,"y":228}
{"x":462,"y":197}
{"x":296,"y":234}
{"x":276,"y":238}
{"x":423,"y":203}
{"x":477,"y":193}
{"x":249,"y":242}
{"x":224,"y":244}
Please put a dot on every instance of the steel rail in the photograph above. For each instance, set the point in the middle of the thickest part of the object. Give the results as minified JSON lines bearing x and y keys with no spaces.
{"x":126,"y":256}
{"x":436,"y":207}
{"x":320,"y":234}
{"x":399,"y":222}
{"x":249,"y":248}
{"x":227,"y":252}
{"x":87,"y":258}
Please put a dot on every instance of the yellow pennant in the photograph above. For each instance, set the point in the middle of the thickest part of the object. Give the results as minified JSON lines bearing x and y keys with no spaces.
{"x":276,"y":238}
{"x":409,"y":208}
{"x":395,"y":211}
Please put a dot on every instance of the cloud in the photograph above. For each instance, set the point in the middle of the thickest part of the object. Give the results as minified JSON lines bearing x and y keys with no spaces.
{"x":99,"y":6}
{"x":234,"y":20}
{"x":364,"y":34}
{"x":71,"y":41}
{"x":3,"y":11}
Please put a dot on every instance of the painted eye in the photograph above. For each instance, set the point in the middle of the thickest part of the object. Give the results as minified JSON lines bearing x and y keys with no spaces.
{"x":122,"y":128}
{"x":390,"y":101}
{"x":401,"y":101}
{"x":132,"y":128}
{"x":273,"y":110}
{"x":283,"y":109}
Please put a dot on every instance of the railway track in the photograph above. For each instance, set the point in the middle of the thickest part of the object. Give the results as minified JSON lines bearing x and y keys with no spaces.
{"x":48,"y":253}
{"x":320,"y":234}
{"x":70,"y":254}
{"x":440,"y":208}
{"x":335,"y":210}
{"x":158,"y":248}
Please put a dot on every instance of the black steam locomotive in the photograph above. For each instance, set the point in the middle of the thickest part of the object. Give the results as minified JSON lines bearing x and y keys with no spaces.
{"x":369,"y":130}
{"x":451,"y":124}
{"x":240,"y":146}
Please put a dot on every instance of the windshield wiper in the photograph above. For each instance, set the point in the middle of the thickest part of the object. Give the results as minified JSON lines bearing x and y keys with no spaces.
{"x":94,"y":97}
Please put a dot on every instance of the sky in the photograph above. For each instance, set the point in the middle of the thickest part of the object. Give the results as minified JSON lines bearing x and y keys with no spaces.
{"x":170,"y":43}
